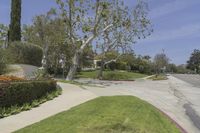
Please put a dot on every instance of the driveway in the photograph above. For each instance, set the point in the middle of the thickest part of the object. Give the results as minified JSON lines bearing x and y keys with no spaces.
{"x":22,"y":70}
{"x":178,"y":99}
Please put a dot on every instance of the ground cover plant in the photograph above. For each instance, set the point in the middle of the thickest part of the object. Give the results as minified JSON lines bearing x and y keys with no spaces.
{"x":158,"y":77}
{"x":117,"y":114}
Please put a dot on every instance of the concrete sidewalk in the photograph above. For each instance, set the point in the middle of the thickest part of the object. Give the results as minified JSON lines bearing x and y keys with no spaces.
{"x":71,"y":96}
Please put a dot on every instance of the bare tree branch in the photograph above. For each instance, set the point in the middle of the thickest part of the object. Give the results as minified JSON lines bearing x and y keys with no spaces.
{"x":85,"y":43}
{"x":113,"y":60}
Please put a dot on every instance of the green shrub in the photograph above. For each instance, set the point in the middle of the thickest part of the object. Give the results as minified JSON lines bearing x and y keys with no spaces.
{"x":111,"y":66}
{"x":115,"y":76}
{"x":3,"y":61}
{"x":121,"y":65}
{"x":26,"y":53}
{"x":18,"y":93}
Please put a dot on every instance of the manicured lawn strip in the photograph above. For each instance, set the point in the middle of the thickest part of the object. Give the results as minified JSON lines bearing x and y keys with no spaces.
{"x":111,"y":75}
{"x":115,"y":114}
{"x":87,"y":74}
{"x":72,"y":82}
{"x":159,"y":77}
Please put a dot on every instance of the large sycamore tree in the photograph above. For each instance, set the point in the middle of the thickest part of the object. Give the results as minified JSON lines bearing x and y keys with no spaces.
{"x":88,"y":20}
{"x":15,"y":21}
{"x":132,"y":26}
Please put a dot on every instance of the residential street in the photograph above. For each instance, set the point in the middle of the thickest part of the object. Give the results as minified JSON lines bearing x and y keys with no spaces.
{"x":190,"y":78}
{"x":178,"y":99}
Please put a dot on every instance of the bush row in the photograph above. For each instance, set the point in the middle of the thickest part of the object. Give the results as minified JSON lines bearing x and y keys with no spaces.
{"x":18,"y":93}
{"x":7,"y":111}
{"x":25,"y":53}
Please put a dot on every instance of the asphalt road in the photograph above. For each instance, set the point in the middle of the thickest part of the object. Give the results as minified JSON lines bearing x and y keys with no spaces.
{"x":189,"y":78}
{"x":191,"y":108}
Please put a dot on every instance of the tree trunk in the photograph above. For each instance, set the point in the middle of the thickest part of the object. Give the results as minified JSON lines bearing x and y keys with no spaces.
{"x":44,"y":58}
{"x":74,"y":66}
{"x":100,"y":74}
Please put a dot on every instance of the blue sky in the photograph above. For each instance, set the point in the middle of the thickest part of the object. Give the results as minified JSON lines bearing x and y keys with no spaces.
{"x":176,"y":25}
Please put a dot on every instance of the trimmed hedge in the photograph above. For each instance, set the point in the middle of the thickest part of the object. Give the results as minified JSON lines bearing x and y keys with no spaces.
{"x":18,"y":93}
{"x":26,"y":53}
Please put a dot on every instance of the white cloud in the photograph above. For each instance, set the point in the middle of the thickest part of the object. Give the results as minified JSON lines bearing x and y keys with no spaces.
{"x":192,"y":30}
{"x":171,"y":7}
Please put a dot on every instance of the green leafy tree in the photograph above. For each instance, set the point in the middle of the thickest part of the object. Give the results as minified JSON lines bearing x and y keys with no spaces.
{"x":172,"y":68}
{"x":142,"y":64}
{"x":48,"y":31}
{"x":15,"y":21}
{"x":160,"y":62}
{"x":194,"y":62}
{"x":182,"y":69}
{"x":124,"y":62}
{"x":3,"y":35}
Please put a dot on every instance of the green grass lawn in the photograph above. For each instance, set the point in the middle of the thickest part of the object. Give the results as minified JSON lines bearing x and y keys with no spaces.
{"x":159,"y":77}
{"x":117,"y":114}
{"x":111,"y":75}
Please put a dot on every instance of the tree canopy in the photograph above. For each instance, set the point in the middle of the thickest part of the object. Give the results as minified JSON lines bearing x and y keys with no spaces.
{"x":194,"y":62}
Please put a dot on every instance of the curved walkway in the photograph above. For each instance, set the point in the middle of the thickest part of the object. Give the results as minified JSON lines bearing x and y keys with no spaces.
{"x":71,"y":96}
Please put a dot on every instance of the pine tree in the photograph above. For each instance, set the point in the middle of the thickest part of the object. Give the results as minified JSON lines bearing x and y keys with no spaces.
{"x":15,"y":21}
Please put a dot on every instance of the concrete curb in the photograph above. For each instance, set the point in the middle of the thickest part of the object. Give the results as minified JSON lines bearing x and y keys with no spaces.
{"x":177,"y":125}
